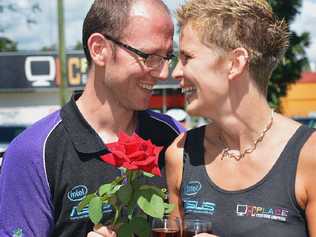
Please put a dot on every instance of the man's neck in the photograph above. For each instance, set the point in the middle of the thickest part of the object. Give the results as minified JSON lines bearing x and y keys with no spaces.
{"x":105,"y":118}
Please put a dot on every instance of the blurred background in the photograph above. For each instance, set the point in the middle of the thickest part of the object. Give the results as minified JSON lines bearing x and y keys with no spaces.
{"x":42,"y":63}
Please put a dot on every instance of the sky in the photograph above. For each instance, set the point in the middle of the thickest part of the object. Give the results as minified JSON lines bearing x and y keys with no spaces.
{"x":44,"y":31}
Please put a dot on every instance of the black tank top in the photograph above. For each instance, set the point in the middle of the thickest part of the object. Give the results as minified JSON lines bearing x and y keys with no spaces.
{"x":266,"y":209}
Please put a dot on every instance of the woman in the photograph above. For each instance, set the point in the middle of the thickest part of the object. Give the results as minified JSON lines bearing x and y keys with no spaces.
{"x":251,"y":171}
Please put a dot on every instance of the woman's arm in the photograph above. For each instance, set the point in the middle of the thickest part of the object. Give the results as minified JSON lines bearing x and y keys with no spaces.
{"x":305,"y":183}
{"x":174,"y":168}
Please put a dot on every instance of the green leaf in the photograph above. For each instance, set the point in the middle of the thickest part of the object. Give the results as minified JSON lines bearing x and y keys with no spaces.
{"x":125,"y":230}
{"x":125,"y":193}
{"x":140,"y":227}
{"x":115,"y":189}
{"x":105,"y":198}
{"x":86,"y":201}
{"x":105,"y":189}
{"x":118,"y":179}
{"x":113,"y":200}
{"x":148,"y":175}
{"x":95,"y":210}
{"x":117,"y":211}
{"x":168,"y":208}
{"x":151,"y":203}
{"x":158,"y":191}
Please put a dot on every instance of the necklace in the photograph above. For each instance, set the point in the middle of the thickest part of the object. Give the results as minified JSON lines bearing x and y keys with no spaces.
{"x":237,"y":154}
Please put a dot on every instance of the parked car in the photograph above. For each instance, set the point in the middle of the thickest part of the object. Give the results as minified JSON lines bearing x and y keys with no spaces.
{"x":7,"y":134}
{"x":308,"y":121}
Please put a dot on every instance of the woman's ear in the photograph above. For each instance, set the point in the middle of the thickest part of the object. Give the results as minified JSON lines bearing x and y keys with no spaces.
{"x":239,"y":63}
{"x":98,"y":48}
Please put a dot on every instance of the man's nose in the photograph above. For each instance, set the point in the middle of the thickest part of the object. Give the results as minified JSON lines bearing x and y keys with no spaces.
{"x":162,"y":73}
{"x":177,"y":72}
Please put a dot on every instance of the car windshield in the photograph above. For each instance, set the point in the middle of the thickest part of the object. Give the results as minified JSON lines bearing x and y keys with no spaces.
{"x":8,"y":133}
{"x":308,"y":121}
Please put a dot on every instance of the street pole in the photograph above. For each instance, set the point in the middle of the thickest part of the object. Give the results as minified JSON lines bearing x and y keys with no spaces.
{"x":61,"y":52}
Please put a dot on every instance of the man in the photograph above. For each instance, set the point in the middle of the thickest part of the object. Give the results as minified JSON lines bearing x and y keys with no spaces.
{"x":50,"y":167}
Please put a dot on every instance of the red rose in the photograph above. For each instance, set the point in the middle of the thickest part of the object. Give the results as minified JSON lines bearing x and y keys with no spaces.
{"x":133,"y":153}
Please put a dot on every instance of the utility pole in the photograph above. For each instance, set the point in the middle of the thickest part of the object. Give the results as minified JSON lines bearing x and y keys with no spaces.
{"x":61,"y":52}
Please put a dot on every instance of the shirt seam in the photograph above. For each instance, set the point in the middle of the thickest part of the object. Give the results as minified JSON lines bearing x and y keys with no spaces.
{"x":166,"y":123}
{"x":44,"y":154}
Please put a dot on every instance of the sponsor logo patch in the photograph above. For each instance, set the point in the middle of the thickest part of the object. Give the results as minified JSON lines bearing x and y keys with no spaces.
{"x":277,"y":214}
{"x":192,"y":188}
{"x":84,"y":213}
{"x":77,"y":193}
{"x":191,"y":206}
{"x":17,"y":233}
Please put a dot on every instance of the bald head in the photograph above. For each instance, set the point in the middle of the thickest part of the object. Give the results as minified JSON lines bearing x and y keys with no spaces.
{"x":147,"y":7}
{"x":112,"y":17}
{"x":154,"y":12}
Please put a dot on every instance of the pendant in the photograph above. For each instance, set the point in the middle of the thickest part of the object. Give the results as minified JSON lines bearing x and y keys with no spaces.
{"x":228,"y":153}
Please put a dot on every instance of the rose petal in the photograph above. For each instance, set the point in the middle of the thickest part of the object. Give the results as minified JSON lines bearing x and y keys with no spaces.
{"x":110,"y":159}
{"x":134,"y":153}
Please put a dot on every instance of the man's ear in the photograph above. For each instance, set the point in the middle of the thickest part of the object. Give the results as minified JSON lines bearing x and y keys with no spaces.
{"x":98,"y":48}
{"x":239,"y":57}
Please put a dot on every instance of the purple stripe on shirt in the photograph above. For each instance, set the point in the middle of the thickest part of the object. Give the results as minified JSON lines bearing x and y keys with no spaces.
{"x":173,"y":124}
{"x":25,"y":197}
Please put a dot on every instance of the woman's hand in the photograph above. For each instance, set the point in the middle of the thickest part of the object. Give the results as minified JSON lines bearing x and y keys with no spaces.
{"x":101,"y":231}
{"x":205,"y":235}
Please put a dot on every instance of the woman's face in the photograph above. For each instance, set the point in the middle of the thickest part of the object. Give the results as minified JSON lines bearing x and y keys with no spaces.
{"x":202,"y":72}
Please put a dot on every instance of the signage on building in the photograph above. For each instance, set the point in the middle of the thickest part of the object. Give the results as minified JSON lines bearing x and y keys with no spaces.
{"x":36,"y":71}
{"x":31,"y":71}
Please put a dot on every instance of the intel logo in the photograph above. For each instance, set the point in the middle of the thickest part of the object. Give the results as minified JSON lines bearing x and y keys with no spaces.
{"x":192,"y":188}
{"x":77,"y":193}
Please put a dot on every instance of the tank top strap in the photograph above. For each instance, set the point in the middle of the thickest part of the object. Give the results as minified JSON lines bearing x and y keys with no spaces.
{"x":193,"y":146}
{"x":293,"y":148}
{"x":297,"y":141}
{"x":193,"y":152}
{"x":290,"y":157}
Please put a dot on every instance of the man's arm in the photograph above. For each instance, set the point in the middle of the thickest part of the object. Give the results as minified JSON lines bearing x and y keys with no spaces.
{"x":25,"y":202}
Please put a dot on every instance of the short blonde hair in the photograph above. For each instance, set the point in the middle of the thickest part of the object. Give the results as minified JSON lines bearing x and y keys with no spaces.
{"x":229,"y":24}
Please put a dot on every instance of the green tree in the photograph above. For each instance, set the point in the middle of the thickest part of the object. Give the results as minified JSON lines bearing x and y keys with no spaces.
{"x":295,"y":60}
{"x":50,"y":48}
{"x":7,"y":44}
{"x":78,"y":46}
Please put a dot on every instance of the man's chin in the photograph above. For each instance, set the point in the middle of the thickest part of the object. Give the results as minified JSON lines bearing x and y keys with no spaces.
{"x":141,"y":108}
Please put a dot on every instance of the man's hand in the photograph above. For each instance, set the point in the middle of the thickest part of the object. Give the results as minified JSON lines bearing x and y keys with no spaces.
{"x":101,"y":231}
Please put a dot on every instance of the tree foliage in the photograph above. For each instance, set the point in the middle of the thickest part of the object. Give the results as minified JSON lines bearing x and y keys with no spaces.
{"x":78,"y":46}
{"x":295,"y":60}
{"x":25,"y":13}
{"x":7,"y":45}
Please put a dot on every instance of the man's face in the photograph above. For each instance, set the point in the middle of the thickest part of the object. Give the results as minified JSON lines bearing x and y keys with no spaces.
{"x":127,"y":79}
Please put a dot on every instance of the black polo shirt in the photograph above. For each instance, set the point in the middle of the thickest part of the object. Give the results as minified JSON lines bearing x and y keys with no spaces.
{"x":58,"y":161}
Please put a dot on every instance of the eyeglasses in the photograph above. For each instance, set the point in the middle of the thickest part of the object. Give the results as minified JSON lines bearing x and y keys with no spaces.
{"x":150,"y":60}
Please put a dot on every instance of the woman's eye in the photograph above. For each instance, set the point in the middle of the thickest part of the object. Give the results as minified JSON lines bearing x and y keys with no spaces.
{"x":184,"y":58}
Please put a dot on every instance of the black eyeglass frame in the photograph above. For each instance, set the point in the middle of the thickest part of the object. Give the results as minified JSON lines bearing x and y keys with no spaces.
{"x":138,"y":52}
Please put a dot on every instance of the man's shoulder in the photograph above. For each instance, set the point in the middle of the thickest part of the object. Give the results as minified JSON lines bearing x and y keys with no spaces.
{"x":162,"y":121}
{"x":33,"y":138}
